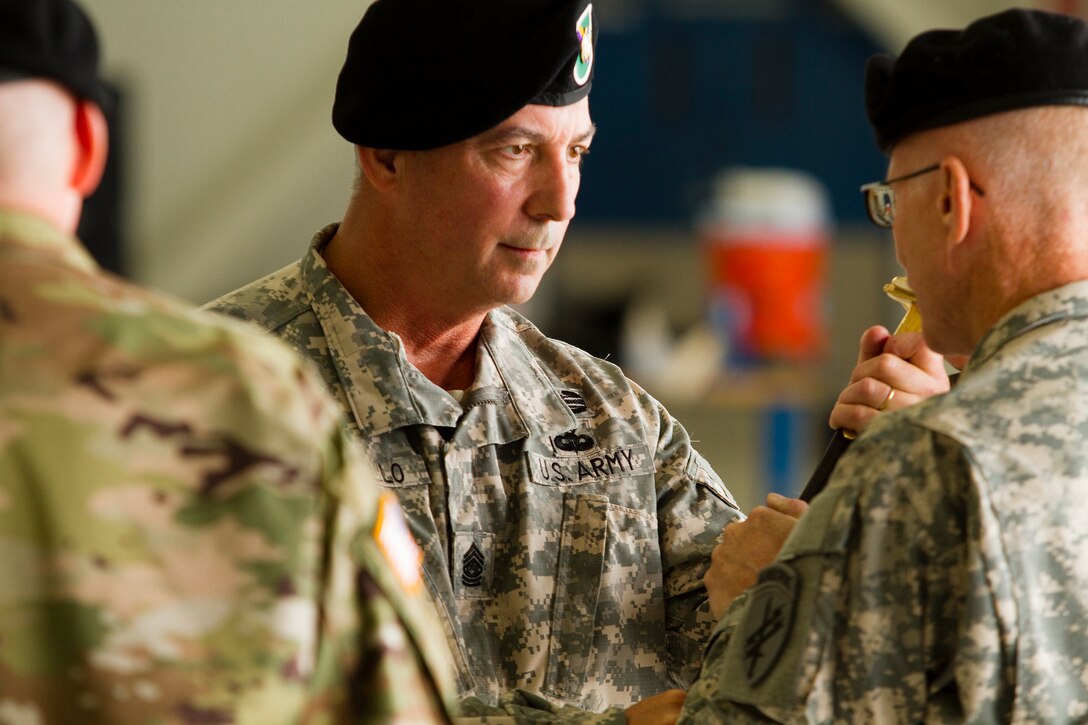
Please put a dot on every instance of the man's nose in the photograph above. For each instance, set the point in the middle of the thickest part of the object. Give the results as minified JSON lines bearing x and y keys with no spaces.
{"x":555,"y":183}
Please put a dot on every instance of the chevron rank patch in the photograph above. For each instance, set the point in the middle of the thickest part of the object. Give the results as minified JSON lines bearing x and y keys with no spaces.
{"x":474,"y":564}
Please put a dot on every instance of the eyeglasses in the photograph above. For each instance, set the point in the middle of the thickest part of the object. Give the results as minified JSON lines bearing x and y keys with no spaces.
{"x":880,"y":198}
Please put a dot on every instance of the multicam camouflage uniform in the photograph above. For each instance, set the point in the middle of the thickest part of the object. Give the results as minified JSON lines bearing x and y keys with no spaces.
{"x":565,"y":518}
{"x":185,"y":535}
{"x":943,"y":574}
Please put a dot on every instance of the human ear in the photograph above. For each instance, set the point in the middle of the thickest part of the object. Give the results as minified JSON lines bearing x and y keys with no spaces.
{"x":92,"y":147}
{"x":378,"y":165}
{"x":955,"y":200}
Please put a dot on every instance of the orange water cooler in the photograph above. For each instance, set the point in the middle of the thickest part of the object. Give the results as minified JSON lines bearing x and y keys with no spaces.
{"x":764,"y":235}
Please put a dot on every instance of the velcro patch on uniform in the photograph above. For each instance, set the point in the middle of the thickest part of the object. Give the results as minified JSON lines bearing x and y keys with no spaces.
{"x":397,"y":545}
{"x":474,"y":564}
{"x":768,"y":619}
{"x":398,"y":474}
{"x":600,"y":465}
{"x":576,"y":402}
{"x":574,"y":441}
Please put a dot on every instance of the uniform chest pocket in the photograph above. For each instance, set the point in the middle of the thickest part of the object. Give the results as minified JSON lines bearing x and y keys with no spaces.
{"x":609,"y":601}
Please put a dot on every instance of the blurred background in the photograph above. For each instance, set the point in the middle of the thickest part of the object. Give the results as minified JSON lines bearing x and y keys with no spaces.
{"x":720,"y":253}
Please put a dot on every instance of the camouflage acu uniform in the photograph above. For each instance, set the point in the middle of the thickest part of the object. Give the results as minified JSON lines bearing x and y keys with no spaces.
{"x":943,"y":574}
{"x":186,"y":536}
{"x":565,"y":518}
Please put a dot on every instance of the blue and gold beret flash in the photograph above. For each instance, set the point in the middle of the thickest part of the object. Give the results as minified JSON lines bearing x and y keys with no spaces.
{"x":421,"y":74}
{"x":1014,"y":59}
{"x":50,"y":39}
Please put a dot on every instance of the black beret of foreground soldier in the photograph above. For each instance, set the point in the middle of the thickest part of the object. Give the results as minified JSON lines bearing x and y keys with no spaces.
{"x":51,"y":39}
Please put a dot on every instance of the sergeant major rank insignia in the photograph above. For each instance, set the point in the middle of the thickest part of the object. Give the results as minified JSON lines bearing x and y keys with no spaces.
{"x":584,"y":64}
{"x":472,"y":567}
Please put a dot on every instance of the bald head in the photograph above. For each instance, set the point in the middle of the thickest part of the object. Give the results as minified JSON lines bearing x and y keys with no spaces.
{"x":1004,"y":218}
{"x":1033,"y":164}
{"x":52,"y":150}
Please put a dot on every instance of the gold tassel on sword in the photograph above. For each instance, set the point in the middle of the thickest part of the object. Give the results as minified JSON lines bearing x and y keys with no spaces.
{"x":899,"y":290}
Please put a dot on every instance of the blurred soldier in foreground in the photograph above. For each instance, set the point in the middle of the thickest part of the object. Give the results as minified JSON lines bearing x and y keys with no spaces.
{"x":185,"y":535}
{"x":566,"y":519}
{"x":942,"y":576}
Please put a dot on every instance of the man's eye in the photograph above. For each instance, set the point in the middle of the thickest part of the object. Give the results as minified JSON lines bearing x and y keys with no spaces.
{"x":516,"y":149}
{"x":577,"y":153}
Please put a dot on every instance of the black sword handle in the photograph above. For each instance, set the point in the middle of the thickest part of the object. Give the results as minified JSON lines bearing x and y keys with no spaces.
{"x":838,"y":445}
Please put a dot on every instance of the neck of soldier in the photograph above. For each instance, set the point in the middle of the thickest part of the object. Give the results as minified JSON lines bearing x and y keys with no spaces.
{"x":439,"y":340}
{"x":1029,"y":257}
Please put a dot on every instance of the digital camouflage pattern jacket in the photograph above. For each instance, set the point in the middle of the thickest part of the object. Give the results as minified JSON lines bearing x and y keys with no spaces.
{"x":943,"y":574}
{"x":565,"y":518}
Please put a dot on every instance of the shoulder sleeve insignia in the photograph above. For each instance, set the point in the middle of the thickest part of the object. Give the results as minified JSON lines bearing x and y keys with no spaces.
{"x":397,"y":545}
{"x":765,"y":630}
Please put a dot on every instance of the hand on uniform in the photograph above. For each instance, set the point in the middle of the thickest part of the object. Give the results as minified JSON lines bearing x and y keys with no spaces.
{"x":748,"y":546}
{"x":661,"y":709}
{"x":892,"y":372}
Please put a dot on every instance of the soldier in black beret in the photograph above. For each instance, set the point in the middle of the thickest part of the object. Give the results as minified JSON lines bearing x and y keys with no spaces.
{"x":942,"y":575}
{"x":565,"y":517}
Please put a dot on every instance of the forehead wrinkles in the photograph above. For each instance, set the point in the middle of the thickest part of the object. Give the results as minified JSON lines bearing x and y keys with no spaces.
{"x":543,"y":125}
{"x":533,"y":136}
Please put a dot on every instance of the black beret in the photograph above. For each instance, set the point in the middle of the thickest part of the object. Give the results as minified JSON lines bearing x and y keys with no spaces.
{"x":1014,"y":59}
{"x":50,"y":39}
{"x":421,"y":74}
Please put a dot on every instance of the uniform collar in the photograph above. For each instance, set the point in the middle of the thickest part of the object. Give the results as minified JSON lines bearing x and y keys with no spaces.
{"x":534,"y":395}
{"x":25,"y":234}
{"x":1062,"y":303}
{"x":386,"y":392}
